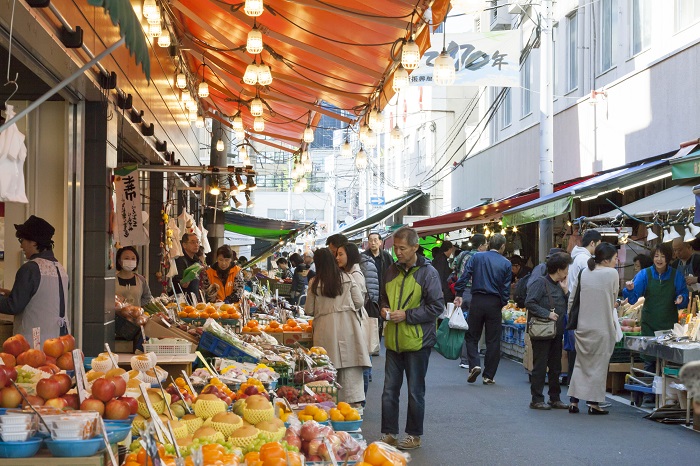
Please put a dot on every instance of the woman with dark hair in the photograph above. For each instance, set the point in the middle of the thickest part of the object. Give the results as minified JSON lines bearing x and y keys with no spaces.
{"x":642,"y":261}
{"x":664,"y":290}
{"x":224,"y":274}
{"x":547,"y":298}
{"x":596,"y":332}
{"x":133,"y":290}
{"x":335,"y":301}
{"x":299,"y":274}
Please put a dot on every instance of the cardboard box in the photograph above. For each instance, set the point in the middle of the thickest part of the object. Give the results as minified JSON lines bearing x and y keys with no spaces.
{"x":305,"y":339}
{"x":157,"y":329}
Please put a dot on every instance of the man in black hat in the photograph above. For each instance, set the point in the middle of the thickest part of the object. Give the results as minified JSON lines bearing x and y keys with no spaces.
{"x":38,"y":297}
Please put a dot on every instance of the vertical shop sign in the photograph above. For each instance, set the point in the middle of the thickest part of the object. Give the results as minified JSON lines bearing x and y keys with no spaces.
{"x":130,"y":231}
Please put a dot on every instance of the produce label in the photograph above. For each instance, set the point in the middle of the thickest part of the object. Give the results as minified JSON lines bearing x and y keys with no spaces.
{"x":103,"y":431}
{"x":189,"y":383}
{"x":81,"y":382}
{"x":329,"y":447}
{"x":36,"y":337}
{"x":160,"y":428}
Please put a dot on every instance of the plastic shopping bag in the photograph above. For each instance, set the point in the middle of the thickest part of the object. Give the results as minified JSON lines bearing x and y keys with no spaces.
{"x":449,"y":341}
{"x":457,"y":320}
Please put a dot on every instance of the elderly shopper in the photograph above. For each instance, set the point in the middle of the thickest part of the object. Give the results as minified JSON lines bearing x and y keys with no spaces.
{"x":335,"y":301}
{"x":225,"y":274}
{"x":547,"y":299}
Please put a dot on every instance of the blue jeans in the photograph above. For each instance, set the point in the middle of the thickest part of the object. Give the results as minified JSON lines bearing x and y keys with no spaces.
{"x":415,"y":365}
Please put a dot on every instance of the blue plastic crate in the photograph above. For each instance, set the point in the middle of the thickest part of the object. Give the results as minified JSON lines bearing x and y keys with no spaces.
{"x":220,"y":348}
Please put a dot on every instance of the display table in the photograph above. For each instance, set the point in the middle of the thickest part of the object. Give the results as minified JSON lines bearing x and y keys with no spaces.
{"x":677,"y":353}
{"x":172,"y":364}
{"x":44,"y":458}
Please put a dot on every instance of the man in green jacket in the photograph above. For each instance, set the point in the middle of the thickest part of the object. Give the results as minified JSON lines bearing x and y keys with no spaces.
{"x":411,"y":300}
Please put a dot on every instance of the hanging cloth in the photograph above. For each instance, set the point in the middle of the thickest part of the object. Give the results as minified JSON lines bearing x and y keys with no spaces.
{"x":204,"y":239}
{"x":13,"y":153}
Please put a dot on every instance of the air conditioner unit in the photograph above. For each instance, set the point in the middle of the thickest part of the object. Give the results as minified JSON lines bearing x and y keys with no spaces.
{"x":501,"y":19}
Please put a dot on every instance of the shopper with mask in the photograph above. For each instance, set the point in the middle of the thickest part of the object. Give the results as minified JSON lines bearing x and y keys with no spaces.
{"x":132,"y":289}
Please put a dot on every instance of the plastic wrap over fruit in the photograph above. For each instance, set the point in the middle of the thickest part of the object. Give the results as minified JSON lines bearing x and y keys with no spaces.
{"x":382,"y":454}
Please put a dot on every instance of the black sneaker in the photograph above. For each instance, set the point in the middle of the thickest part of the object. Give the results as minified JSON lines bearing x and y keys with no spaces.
{"x":488,"y":381}
{"x":473,"y":374}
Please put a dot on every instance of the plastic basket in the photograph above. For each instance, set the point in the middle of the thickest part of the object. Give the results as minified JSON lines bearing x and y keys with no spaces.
{"x":168,"y":346}
{"x":220,"y":348}
{"x":621,"y":343}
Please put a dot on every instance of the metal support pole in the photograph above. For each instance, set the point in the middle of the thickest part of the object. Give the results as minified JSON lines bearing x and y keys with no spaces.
{"x":62,"y":84}
{"x":546,"y":182}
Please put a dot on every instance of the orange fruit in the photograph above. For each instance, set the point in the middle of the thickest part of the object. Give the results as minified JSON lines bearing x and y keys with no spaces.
{"x":274,"y":324}
{"x":374,"y":455}
{"x":271,"y":450}
{"x":252,"y":456}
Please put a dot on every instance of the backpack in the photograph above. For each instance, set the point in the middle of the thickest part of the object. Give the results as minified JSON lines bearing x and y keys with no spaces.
{"x":521,"y":291}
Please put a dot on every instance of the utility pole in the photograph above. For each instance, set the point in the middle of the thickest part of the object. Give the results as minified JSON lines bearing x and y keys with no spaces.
{"x":546,"y":183}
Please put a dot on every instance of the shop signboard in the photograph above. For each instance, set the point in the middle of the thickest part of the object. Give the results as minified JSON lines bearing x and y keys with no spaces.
{"x":480,"y":58}
{"x":129,"y":221}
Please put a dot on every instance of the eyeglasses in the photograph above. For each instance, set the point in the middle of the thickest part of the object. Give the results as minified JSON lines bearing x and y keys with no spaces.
{"x":20,"y":240}
{"x":193,"y":242}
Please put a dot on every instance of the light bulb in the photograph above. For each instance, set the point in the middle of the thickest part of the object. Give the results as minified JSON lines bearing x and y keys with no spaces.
{"x":150,"y":9}
{"x":364,"y":129}
{"x":154,"y":29}
{"x":376,"y":120}
{"x":181,"y":80}
{"x":397,"y":136}
{"x":253,"y":7}
{"x":361,"y":159}
{"x":256,"y":107}
{"x":258,"y":124}
{"x":240,"y":134}
{"x":410,"y":55}
{"x":214,"y":190}
{"x":203,"y":90}
{"x":237,"y":123}
{"x":164,"y":39}
{"x":308,"y":166}
{"x":250,"y":76}
{"x":250,"y":183}
{"x":264,"y":75}
{"x":184,"y":96}
{"x":254,"y":44}
{"x":192,"y":115}
{"x":346,"y":149}
{"x":220,"y":145}
{"x":305,"y":155}
{"x":400,"y":81}
{"x":191,"y":105}
{"x":371,"y":139}
{"x":239,"y":182}
{"x":200,"y":122}
{"x":308,"y":135}
{"x":242,"y":153}
{"x":444,"y":69}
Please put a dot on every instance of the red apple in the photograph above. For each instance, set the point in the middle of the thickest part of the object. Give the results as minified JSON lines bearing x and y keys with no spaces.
{"x":117,"y":409}
{"x":53,"y":347}
{"x":72,"y":400}
{"x":119,"y":385}
{"x":50,"y":360}
{"x":58,"y":403}
{"x":48,"y":388}
{"x":64,"y":381}
{"x":91,"y":404}
{"x":33,"y":400}
{"x":49,"y":369}
{"x":15,"y":345}
{"x":65,"y":362}
{"x":10,"y":397}
{"x":10,"y":371}
{"x":3,"y":378}
{"x":32,"y":357}
{"x":68,"y":343}
{"x":103,"y":390}
{"x":8,"y":359}
{"x":133,"y":404}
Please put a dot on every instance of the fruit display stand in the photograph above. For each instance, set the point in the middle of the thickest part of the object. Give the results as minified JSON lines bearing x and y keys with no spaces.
{"x":174,"y":364}
{"x":44,"y":458}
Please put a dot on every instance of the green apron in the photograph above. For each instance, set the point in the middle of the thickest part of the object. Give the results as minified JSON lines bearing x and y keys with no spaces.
{"x":659,"y":311}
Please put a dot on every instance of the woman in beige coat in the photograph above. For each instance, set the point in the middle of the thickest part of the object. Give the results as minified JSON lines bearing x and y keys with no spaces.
{"x":335,"y":301}
{"x":595,"y":333}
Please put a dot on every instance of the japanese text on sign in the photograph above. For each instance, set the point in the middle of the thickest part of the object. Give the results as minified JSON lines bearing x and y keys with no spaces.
{"x":129,"y":229}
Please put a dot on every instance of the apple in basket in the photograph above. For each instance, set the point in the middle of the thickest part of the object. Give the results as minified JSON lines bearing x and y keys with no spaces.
{"x":10,"y":397}
{"x":92,"y":404}
{"x":8,"y":359}
{"x":34,"y":401}
{"x":117,"y":409}
{"x":58,"y":403}
{"x":119,"y":385}
{"x":54,"y":347}
{"x":132,"y":402}
{"x":103,"y":390}
{"x":15,"y":345}
{"x":73,"y":400}
{"x":68,"y":343}
{"x":65,"y":362}
{"x":64,"y":381}
{"x":32,"y":357}
{"x":48,"y":388}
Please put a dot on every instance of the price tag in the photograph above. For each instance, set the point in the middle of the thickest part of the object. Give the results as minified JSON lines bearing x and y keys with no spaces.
{"x":179,"y":393}
{"x":112,"y":356}
{"x":81,"y":381}
{"x":166,"y":323}
{"x":103,"y":430}
{"x":189,"y":383}
{"x":36,"y":337}
{"x":329,"y":447}
{"x":206,"y":364}
{"x":309,"y":391}
{"x":160,"y":428}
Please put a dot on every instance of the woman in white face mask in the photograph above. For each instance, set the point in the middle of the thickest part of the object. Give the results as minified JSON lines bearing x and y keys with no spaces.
{"x":132,"y":289}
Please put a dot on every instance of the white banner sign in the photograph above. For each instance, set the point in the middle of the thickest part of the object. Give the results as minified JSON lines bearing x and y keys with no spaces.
{"x":481,"y":59}
{"x":130,"y":231}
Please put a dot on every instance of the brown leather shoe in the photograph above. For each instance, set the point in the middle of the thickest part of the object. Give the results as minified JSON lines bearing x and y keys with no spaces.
{"x":558,"y":404}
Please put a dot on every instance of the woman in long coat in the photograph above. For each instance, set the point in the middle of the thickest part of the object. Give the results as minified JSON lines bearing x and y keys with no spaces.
{"x":335,"y":301}
{"x":595,"y":333}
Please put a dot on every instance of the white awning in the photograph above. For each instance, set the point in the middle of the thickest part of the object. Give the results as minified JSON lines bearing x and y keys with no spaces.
{"x":669,"y":200}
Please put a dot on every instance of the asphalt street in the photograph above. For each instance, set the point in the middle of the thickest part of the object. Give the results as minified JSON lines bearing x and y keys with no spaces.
{"x":477,"y":424}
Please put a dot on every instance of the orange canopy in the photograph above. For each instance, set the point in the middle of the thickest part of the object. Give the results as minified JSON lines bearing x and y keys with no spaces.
{"x":330,"y":51}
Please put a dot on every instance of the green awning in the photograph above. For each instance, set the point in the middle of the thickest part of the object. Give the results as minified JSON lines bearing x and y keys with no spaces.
{"x":262,"y":228}
{"x":540,"y":212}
{"x":686,"y":163}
